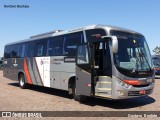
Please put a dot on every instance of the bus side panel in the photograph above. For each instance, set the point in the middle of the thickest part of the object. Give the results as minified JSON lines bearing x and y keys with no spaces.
{"x":60,"y":71}
{"x":7,"y":71}
{"x":12,"y":67}
{"x":37,"y":71}
{"x":42,"y":70}
{"x":29,"y":63}
{"x":31,"y":71}
{"x":17,"y":67}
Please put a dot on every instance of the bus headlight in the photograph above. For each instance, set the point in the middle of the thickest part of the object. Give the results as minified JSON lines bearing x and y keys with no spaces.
{"x":123,"y":83}
{"x":119,"y":92}
{"x":149,"y":80}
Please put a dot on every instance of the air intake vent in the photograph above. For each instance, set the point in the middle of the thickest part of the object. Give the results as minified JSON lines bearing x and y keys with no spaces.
{"x":137,"y":93}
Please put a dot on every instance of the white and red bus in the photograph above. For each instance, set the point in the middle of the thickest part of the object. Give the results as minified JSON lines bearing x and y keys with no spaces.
{"x":97,"y":61}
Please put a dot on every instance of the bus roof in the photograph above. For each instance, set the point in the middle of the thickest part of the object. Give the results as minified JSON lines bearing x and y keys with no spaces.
{"x":62,"y":32}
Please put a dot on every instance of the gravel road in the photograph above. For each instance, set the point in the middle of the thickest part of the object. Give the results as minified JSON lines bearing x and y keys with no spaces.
{"x":36,"y":98}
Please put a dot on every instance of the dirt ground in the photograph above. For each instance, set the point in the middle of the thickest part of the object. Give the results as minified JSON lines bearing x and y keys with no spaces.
{"x":36,"y":98}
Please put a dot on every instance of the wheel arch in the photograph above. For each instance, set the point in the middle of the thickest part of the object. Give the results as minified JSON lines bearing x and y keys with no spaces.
{"x":20,"y":73}
{"x":71,"y":82}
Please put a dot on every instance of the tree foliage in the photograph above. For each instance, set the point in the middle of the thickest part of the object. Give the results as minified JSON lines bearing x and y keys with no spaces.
{"x":157,"y":50}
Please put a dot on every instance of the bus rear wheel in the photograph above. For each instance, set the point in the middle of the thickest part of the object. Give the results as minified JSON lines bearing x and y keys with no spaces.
{"x":79,"y":98}
{"x":22,"y":83}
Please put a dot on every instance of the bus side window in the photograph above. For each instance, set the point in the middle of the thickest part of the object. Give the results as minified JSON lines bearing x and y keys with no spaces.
{"x":55,"y":46}
{"x":30,"y":49}
{"x":95,"y":34}
{"x":22,"y":51}
{"x":7,"y":52}
{"x":70,"y":43}
{"x":82,"y":57}
{"x":14,"y":51}
{"x":41,"y":49}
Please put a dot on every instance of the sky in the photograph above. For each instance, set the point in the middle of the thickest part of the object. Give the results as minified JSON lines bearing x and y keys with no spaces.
{"x":47,"y":15}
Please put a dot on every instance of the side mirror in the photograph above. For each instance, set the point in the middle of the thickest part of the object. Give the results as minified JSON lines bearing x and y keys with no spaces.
{"x":114,"y":43}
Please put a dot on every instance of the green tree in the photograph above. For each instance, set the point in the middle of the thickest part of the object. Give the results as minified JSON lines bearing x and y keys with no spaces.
{"x":157,"y":50}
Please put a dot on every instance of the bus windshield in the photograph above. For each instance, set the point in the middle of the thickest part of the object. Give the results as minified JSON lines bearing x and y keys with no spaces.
{"x":133,"y":53}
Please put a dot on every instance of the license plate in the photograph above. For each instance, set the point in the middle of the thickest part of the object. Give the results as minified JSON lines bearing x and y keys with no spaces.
{"x":142,"y":92}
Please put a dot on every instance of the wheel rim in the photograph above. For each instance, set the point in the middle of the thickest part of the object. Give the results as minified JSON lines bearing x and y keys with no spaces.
{"x":21,"y":82}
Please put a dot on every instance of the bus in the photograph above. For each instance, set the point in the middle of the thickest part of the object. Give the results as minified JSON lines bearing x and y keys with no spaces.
{"x":93,"y":61}
{"x":156,"y":64}
{"x":1,"y":64}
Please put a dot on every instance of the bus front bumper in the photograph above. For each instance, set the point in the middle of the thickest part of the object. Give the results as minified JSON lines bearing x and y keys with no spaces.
{"x":124,"y":92}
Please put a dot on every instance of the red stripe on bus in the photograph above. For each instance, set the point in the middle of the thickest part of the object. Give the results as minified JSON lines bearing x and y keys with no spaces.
{"x":27,"y":72}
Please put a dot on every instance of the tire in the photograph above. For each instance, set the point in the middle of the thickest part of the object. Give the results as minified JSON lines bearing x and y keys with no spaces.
{"x":79,"y":98}
{"x":22,"y":83}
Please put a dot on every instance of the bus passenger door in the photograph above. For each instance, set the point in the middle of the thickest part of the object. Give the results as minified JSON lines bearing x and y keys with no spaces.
{"x":101,"y":69}
{"x":83,"y":74}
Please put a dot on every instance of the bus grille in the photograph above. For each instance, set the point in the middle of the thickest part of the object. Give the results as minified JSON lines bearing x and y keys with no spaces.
{"x":137,"y":93}
{"x":141,"y":85}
